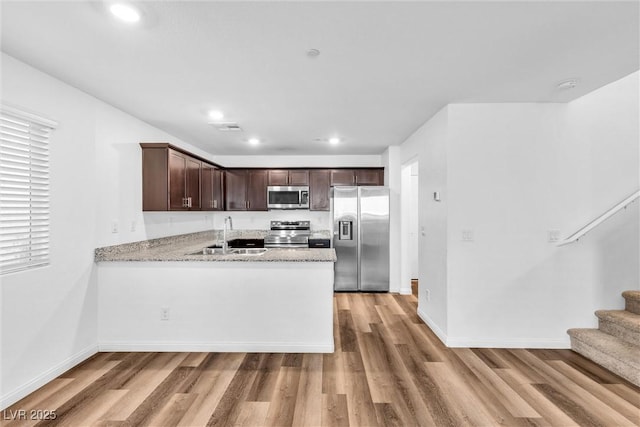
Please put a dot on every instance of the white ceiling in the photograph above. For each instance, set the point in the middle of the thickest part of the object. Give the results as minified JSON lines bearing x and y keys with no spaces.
{"x":384,"y":68}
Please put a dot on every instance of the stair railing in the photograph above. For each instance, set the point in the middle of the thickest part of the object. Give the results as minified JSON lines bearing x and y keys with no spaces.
{"x":599,"y":220}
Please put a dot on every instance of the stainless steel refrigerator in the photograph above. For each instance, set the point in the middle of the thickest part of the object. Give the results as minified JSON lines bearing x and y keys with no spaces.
{"x":361,"y":238}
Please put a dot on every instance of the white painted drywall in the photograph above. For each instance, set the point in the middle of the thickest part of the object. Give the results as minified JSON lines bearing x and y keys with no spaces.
{"x":48,"y":315}
{"x":429,"y":144}
{"x":225,"y":306}
{"x":414,"y":225}
{"x":391,"y":161}
{"x":405,"y":245}
{"x":509,"y":173}
{"x":326,"y":161}
{"x":506,"y":170}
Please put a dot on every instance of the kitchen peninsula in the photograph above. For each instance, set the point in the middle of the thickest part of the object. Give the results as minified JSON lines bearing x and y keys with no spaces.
{"x":165,"y":295}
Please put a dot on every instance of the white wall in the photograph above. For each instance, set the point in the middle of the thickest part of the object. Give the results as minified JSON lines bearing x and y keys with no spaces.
{"x":393,"y":180}
{"x":414,"y":224}
{"x":118,"y":171}
{"x":510,"y":173}
{"x":506,"y":170}
{"x":429,"y":145}
{"x":48,"y":314}
{"x":320,"y":161}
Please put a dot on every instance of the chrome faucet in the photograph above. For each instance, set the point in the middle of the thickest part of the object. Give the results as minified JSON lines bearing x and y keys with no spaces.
{"x":225,"y":245}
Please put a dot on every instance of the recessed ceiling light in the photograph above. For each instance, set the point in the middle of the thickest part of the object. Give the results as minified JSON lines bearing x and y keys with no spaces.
{"x":216,"y":115}
{"x":125,"y":12}
{"x":254,"y":141}
{"x":568,"y":84}
{"x":312,"y":53}
{"x":334,"y":141}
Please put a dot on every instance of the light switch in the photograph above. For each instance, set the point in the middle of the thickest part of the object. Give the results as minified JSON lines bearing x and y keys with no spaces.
{"x":467,"y":236}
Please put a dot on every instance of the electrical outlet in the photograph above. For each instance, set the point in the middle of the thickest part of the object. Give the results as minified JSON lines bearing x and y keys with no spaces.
{"x":467,"y":236}
{"x":114,"y":226}
{"x":553,"y":236}
{"x":164,"y":313}
{"x":427,"y":294}
{"x":133,"y":225}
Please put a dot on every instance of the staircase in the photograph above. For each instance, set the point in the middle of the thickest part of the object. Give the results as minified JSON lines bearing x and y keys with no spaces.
{"x":615,"y":345}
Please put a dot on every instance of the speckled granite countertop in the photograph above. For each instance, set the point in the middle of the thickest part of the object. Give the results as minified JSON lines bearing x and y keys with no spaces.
{"x":188,"y":247}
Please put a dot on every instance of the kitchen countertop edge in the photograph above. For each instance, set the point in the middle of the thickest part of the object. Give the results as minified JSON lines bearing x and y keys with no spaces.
{"x":186,"y":248}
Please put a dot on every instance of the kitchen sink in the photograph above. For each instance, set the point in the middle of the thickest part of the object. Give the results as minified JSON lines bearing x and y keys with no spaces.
{"x":212,"y":250}
{"x":249,"y":251}
{"x":217,"y":250}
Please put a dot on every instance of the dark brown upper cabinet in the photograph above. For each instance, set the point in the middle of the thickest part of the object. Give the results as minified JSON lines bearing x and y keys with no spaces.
{"x":184,"y":182}
{"x":362,"y":176}
{"x":246,"y":189}
{"x":369,"y":176}
{"x":257,"y":190}
{"x":319,"y":188}
{"x":343,"y":177}
{"x":212,"y":188}
{"x":170,"y":179}
{"x":235,"y":189}
{"x":175,"y":180}
{"x":288,"y":177}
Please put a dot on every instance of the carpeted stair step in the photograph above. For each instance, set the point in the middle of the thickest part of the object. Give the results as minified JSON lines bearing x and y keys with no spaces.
{"x":620,"y":323}
{"x":611,"y":352}
{"x":632,"y":301}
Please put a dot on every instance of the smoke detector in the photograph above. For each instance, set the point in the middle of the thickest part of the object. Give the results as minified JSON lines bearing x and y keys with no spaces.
{"x":567,"y":84}
{"x":226,"y":126}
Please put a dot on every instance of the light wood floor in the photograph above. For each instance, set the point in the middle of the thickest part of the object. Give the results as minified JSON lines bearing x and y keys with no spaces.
{"x":388,"y":369}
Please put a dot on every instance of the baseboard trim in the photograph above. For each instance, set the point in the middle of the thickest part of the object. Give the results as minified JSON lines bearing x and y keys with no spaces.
{"x":405,"y":291}
{"x":12,"y":397}
{"x":223,"y":347}
{"x":432,"y":325}
{"x":462,"y":342}
{"x":516,"y":343}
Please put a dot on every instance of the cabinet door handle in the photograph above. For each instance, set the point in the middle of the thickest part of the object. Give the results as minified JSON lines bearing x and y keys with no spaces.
{"x":249,"y":204}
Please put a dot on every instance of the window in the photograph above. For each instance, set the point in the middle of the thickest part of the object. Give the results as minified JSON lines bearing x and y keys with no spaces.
{"x":24,"y":190}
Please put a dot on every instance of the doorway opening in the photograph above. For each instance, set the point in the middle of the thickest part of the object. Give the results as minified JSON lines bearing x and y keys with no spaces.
{"x":410,"y":253}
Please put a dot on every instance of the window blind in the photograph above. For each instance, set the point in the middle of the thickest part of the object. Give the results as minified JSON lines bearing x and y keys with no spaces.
{"x":24,"y":190}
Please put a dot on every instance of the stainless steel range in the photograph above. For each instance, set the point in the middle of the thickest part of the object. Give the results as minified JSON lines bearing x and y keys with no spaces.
{"x":288,"y":234}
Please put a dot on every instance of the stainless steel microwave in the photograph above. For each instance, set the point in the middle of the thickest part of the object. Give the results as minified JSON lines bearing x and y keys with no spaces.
{"x":291,"y":197}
